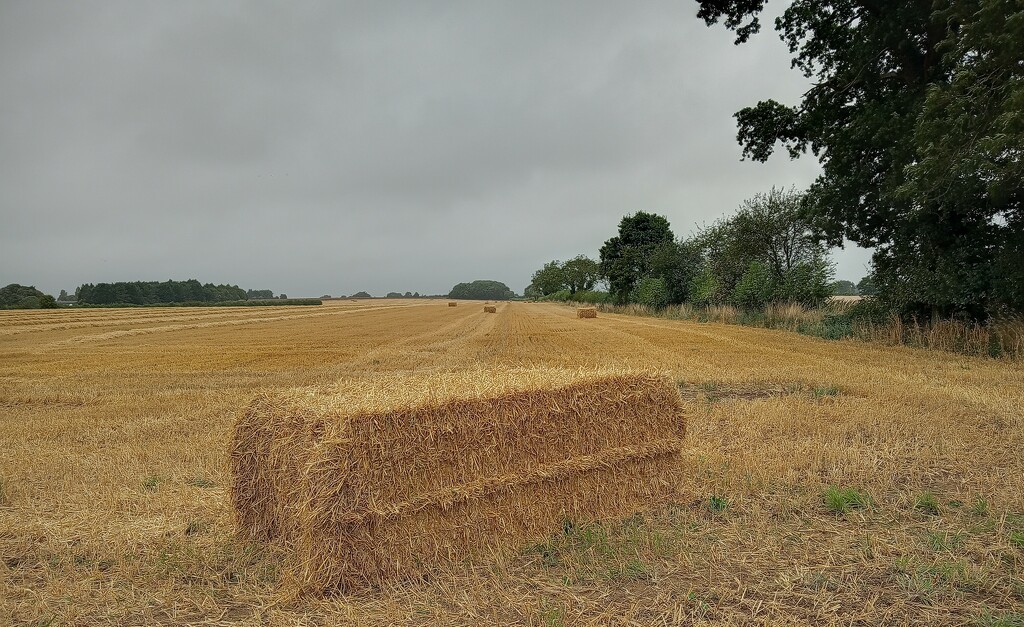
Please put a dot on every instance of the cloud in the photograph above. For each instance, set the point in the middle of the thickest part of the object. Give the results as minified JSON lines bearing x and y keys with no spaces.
{"x":336,"y":147}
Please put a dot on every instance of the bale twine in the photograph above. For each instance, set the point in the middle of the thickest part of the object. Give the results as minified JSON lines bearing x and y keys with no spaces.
{"x":586,"y":312}
{"x":381,"y":479}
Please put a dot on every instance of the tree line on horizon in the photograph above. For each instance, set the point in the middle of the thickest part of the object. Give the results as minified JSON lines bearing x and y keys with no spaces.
{"x":164,"y":292}
{"x":764,"y":253}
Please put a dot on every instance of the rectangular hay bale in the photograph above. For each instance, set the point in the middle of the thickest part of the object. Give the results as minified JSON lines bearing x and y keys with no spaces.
{"x":586,"y":312}
{"x":377,"y":480}
{"x":490,"y":309}
{"x":452,"y":303}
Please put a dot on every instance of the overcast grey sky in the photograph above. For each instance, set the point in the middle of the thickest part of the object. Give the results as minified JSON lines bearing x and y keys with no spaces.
{"x":331,"y":147}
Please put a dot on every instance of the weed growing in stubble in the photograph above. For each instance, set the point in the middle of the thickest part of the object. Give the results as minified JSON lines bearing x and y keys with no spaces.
{"x":718,"y":503}
{"x":839,"y":501}
{"x":927,"y":503}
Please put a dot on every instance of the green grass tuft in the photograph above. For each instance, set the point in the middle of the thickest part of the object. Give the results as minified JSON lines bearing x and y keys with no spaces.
{"x":839,"y":501}
{"x":927,"y":503}
{"x":718,"y":503}
{"x":824,"y":391}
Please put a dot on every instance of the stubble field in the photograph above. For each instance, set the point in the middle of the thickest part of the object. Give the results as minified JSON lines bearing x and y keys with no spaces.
{"x":827,"y":483}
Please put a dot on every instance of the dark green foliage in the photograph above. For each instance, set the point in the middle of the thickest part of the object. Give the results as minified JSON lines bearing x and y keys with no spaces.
{"x":807,"y":283}
{"x":549,"y":279}
{"x":866,"y":286}
{"x":154,"y":292}
{"x":273,"y":302}
{"x":764,"y":253}
{"x":560,"y":296}
{"x":394,"y":295}
{"x":361,"y":295}
{"x":650,"y":291}
{"x":482,"y":290}
{"x":15,"y":296}
{"x":916,"y":116}
{"x":593,"y":297}
{"x":580,"y":273}
{"x":705,"y":288}
{"x":627,"y":258}
{"x":844,"y":288}
{"x":258,"y":294}
{"x":676,"y":264}
{"x":717,"y":503}
{"x":755,"y":289}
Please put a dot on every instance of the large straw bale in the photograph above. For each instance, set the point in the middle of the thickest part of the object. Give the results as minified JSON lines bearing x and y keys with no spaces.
{"x":586,"y":312}
{"x":452,"y":303}
{"x":376,"y":480}
{"x":490,"y":309}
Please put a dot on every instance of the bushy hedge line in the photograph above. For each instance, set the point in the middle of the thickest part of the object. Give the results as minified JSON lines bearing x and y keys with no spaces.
{"x":591,"y":297}
{"x":275,"y":302}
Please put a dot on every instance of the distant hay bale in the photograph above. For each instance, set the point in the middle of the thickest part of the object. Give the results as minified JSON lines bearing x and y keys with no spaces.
{"x":586,"y":312}
{"x":381,"y":479}
{"x":452,"y":303}
{"x":490,"y":309}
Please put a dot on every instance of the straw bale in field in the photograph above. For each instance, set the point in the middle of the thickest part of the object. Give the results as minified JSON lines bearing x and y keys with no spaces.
{"x":490,"y":309}
{"x":380,"y":479}
{"x":586,"y":312}
{"x":452,"y":303}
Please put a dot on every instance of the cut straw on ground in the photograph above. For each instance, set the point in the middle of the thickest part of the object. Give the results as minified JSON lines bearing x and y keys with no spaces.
{"x":372,"y":481}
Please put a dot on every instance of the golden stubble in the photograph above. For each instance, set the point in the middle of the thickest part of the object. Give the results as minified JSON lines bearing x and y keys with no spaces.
{"x":115,"y":426}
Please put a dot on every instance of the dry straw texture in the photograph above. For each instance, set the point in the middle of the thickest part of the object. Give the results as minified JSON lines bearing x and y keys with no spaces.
{"x":115,"y":503}
{"x":586,"y":312}
{"x":371,"y":481}
{"x":490,"y":309}
{"x":452,"y":303}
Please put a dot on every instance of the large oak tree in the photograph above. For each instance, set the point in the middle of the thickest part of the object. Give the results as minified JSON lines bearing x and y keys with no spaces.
{"x":917,"y":115}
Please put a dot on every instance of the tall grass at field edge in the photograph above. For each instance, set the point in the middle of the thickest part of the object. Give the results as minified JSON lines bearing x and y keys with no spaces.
{"x":1002,"y":337}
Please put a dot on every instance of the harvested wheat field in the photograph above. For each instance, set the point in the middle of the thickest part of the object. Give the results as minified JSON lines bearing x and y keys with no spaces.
{"x":821,"y":482}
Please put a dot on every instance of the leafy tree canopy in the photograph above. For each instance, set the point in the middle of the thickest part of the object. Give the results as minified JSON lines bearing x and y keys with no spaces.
{"x":627,"y":257}
{"x":549,"y":279}
{"x":866,"y":286}
{"x":15,"y":296}
{"x":482,"y":290}
{"x":581,"y":274}
{"x":917,"y":116}
{"x":361,"y":295}
{"x":153,"y":292}
{"x":844,"y":288}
